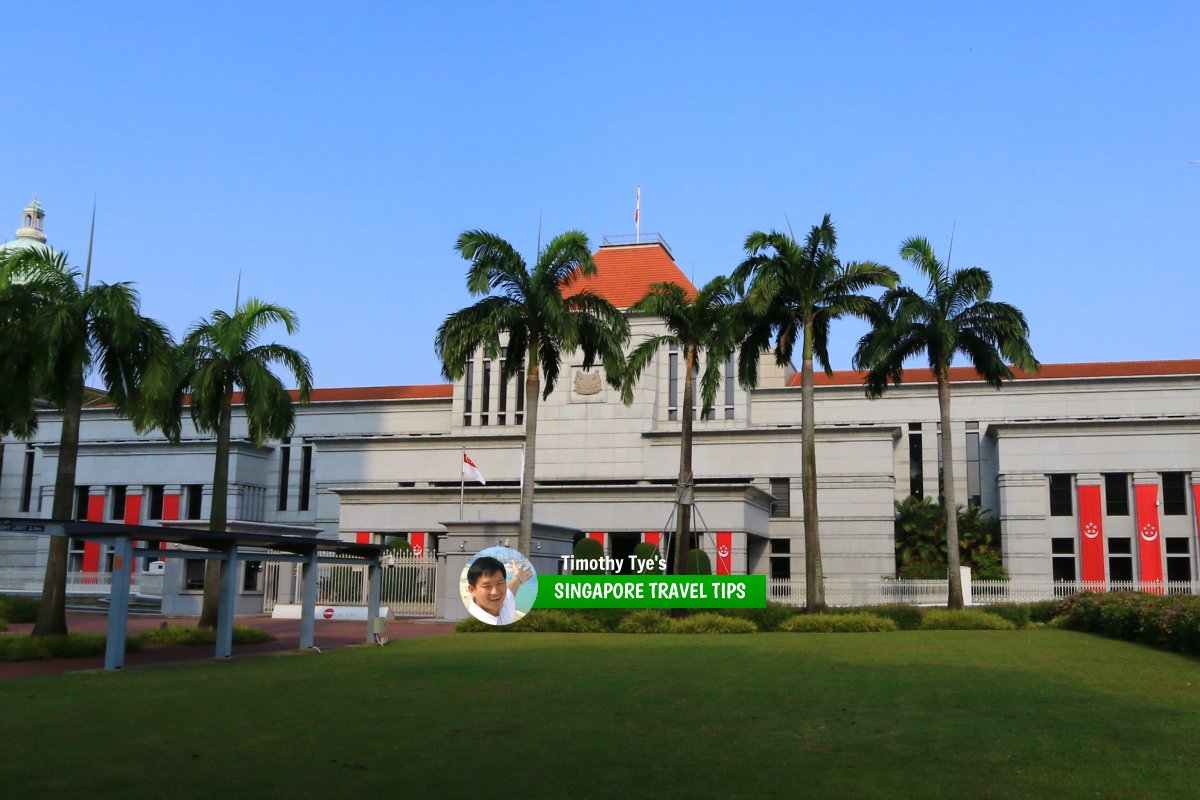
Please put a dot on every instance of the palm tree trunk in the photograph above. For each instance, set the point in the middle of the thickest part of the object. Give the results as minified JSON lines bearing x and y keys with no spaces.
{"x":533,"y":395}
{"x":683,"y":502}
{"x":955,"y":597}
{"x":217,"y":514}
{"x":52,"y":612}
{"x":814,"y":577}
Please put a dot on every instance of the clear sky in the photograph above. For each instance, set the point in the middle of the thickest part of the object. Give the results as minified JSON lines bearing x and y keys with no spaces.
{"x":332,"y":152}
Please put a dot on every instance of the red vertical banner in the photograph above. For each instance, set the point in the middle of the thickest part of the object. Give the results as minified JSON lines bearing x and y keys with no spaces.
{"x":724,"y":553}
{"x":598,"y":536}
{"x":417,"y":540}
{"x":1091,"y":533}
{"x":133,"y":515}
{"x":653,"y":537}
{"x":170,"y":511}
{"x":363,"y":537}
{"x":91,"y":550}
{"x":1196,"y":512}
{"x":1149,"y":534}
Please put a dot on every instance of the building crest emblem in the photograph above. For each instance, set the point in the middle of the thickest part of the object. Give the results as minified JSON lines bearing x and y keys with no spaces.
{"x":587,"y":383}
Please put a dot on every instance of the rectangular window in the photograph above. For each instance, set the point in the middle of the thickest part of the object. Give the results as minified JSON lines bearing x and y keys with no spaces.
{"x":156,"y":502}
{"x":974,"y":492}
{"x":941,"y":470}
{"x":1120,"y":559}
{"x":285,"y":467}
{"x":117,"y":506}
{"x":781,"y":490}
{"x":781,"y":547}
{"x":1064,"y":558}
{"x":27,"y":481}
{"x":468,"y":392}
{"x":193,"y":574}
{"x":1061,"y":504}
{"x":75,"y":555}
{"x":502,"y":400}
{"x":306,"y":458}
{"x":781,"y":568}
{"x":520,"y":415}
{"x":1116,"y":495}
{"x":485,"y":402}
{"x":729,"y":386}
{"x":1179,"y":559}
{"x":195,"y":498}
{"x":1174,"y":494}
{"x":252,"y":577}
{"x":916,"y":463}
{"x":81,"y":503}
{"x":673,"y":386}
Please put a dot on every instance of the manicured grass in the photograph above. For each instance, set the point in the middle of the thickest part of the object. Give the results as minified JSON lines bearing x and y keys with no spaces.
{"x":937,"y":714}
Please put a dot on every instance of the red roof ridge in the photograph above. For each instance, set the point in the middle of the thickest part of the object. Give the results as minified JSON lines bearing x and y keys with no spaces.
{"x":625,"y":272}
{"x":1084,"y":369}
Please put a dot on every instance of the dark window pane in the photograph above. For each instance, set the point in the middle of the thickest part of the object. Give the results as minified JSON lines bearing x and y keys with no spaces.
{"x":1120,"y":568}
{"x":781,"y":546}
{"x":1174,"y":494}
{"x":1122,"y":546}
{"x":1060,"y":496}
{"x":118,"y":502}
{"x":156,"y":502}
{"x":1064,"y":568}
{"x":1116,"y":495}
{"x":781,"y":490}
{"x":1062,"y":545}
{"x":1179,"y":568}
{"x":1177,"y":545}
{"x":306,"y":457}
{"x":285,"y":469}
{"x":193,"y":576}
{"x":781,"y":568}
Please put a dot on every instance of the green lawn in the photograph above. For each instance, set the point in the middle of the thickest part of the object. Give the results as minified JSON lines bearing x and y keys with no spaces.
{"x":1023,"y":714}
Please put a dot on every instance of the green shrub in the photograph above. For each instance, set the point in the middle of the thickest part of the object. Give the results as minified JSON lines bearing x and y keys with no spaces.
{"x":605,"y":619}
{"x":399,"y":547}
{"x":1171,"y":622}
{"x":712,"y":623}
{"x":965,"y":620}
{"x":646,"y":620}
{"x":838,"y":623}
{"x":3,"y":625}
{"x":19,"y":609}
{"x":587,"y":549}
{"x":183,"y":634}
{"x":75,"y":645}
{"x":765,"y":619}
{"x":907,"y":618}
{"x":699,"y":563}
{"x":646,"y":552}
{"x":1016,"y":613}
{"x":923,"y":571}
{"x":540,"y":620}
{"x":1044,"y":610}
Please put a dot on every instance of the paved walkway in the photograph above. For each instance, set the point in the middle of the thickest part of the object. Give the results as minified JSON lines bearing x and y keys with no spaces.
{"x":327,"y":634}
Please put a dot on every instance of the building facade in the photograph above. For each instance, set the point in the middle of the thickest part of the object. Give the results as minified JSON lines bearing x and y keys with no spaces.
{"x":1093,"y":469}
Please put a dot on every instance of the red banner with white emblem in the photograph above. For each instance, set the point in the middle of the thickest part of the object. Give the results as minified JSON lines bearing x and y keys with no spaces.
{"x":1149,"y":533}
{"x":724,"y":553}
{"x":1091,"y":533}
{"x":91,"y":550}
{"x":1196,"y":512}
{"x":417,"y":540}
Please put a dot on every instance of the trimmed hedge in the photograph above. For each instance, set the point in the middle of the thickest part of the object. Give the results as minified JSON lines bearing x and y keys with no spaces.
{"x":3,"y":625}
{"x":765,"y":619}
{"x":1171,"y":622}
{"x":907,"y":618}
{"x":966,"y":620}
{"x":542,"y":620}
{"x":838,"y":623}
{"x":1016,"y":613}
{"x":75,"y":645}
{"x":712,"y":623}
{"x":19,"y":609}
{"x":183,"y":634}
{"x":646,"y":620}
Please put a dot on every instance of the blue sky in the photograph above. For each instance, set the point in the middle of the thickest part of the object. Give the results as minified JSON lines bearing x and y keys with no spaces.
{"x":333,"y":152}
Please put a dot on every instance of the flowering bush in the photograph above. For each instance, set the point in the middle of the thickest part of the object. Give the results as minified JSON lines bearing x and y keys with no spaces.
{"x":1172,"y":622}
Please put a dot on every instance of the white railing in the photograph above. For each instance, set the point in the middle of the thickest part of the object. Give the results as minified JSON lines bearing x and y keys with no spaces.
{"x":883,"y":591}
{"x":407,"y":585}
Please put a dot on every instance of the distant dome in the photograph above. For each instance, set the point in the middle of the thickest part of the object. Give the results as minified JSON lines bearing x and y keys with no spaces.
{"x":31,"y":233}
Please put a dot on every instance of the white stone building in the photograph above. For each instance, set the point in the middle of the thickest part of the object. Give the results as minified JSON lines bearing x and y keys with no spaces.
{"x":1093,"y":469}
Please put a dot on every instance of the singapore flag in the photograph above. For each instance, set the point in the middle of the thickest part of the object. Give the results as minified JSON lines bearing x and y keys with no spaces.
{"x":472,"y":471}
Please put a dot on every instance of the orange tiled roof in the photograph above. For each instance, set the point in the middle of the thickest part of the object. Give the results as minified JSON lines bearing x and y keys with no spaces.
{"x":624,"y":273}
{"x":433,"y":391}
{"x":1103,"y":369}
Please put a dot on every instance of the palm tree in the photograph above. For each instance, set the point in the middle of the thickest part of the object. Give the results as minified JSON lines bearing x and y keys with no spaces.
{"x":955,"y":315}
{"x":218,"y":356}
{"x":709,"y":325}
{"x":541,"y":320}
{"x":795,"y":291}
{"x":55,"y":330}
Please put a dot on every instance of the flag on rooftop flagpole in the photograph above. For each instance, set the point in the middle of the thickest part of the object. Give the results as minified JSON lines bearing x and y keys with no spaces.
{"x":470,"y":470}
{"x":637,"y":215}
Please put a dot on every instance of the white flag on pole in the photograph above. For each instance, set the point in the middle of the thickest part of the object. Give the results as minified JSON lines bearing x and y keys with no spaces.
{"x":472,"y":471}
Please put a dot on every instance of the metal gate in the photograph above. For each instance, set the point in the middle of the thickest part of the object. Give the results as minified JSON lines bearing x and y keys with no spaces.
{"x":408,"y":585}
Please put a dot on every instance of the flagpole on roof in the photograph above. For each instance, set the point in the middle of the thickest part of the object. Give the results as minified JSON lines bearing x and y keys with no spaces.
{"x":462,"y":481}
{"x":637,"y":217}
